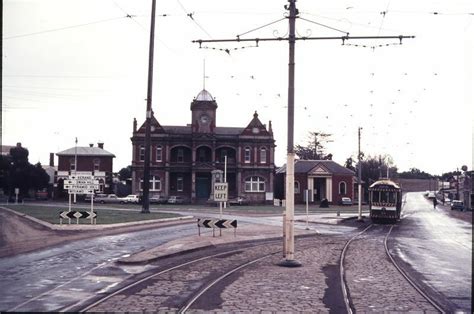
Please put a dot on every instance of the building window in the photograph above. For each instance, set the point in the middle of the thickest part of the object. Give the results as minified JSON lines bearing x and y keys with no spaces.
{"x":342,"y":188}
{"x":159,"y":153}
{"x":255,"y":184}
{"x":202,"y":155}
{"x":180,"y":157}
{"x":155,"y":184}
{"x":247,"y":155}
{"x":72,"y":164}
{"x":96,"y":164}
{"x":180,"y":184}
{"x":263,"y":155}
{"x":142,"y":153}
{"x":297,"y":187}
{"x":223,"y":155}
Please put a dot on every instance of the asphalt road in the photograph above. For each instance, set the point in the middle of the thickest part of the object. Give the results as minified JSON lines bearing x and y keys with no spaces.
{"x":49,"y":279}
{"x":438,"y":248}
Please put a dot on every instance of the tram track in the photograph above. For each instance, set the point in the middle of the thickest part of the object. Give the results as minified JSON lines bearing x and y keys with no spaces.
{"x":350,"y":301}
{"x":258,"y":252}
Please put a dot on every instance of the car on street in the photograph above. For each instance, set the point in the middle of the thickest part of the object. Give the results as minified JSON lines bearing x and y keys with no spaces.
{"x":158,"y":199}
{"x":457,"y":205}
{"x":346,"y":201}
{"x":132,"y":199}
{"x":240,"y":200}
{"x":108,"y":199}
{"x":88,"y":196}
{"x":176,"y":200}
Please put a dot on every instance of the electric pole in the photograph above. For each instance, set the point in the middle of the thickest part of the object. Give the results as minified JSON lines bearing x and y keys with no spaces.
{"x":146,"y":169}
{"x":360,"y":180}
{"x":292,"y":16}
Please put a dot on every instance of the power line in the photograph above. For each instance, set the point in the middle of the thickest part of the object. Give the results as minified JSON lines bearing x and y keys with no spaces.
{"x":66,"y":27}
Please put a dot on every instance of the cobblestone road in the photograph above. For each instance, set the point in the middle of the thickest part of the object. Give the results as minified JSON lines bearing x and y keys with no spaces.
{"x":374,"y":284}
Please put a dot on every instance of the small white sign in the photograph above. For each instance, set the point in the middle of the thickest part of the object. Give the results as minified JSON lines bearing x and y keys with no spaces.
{"x":80,"y":191}
{"x":220,"y":192}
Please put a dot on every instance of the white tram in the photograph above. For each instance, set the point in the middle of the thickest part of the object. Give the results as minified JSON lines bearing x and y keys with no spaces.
{"x":385,"y":200}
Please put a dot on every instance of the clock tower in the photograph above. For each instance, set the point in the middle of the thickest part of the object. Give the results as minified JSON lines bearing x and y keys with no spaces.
{"x":203,"y":113}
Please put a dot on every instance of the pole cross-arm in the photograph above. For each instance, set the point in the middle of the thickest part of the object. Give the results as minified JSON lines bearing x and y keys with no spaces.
{"x":342,"y":38}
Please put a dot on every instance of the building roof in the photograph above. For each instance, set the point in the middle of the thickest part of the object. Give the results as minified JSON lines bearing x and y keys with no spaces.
{"x":204,"y":95}
{"x":86,"y":151}
{"x":305,"y":166}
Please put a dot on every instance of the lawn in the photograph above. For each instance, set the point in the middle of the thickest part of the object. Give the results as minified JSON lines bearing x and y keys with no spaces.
{"x":104,"y":216}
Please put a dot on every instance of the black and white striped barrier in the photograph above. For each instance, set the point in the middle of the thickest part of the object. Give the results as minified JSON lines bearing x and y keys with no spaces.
{"x":77,"y":214}
{"x":216,"y":223}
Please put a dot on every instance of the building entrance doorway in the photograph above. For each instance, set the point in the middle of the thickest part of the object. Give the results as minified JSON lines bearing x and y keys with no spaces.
{"x":319,"y":189}
{"x":203,"y":186}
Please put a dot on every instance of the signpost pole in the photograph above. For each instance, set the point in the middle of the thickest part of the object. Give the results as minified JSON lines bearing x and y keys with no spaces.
{"x":307,"y":215}
{"x":220,"y":216}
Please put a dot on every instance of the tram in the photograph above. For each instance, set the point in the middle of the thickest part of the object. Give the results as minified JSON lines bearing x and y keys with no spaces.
{"x":385,"y":200}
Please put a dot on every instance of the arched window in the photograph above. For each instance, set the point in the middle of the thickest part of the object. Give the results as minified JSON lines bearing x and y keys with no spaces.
{"x":255,"y":184}
{"x":247,"y":155}
{"x":263,"y":155}
{"x":159,"y":153}
{"x":297,"y":187}
{"x":342,"y":188}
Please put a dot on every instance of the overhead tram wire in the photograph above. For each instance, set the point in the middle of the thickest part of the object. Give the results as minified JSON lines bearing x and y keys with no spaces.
{"x":190,"y":15}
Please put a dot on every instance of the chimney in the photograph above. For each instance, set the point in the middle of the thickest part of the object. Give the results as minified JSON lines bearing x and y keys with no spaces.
{"x":134,"y":125}
{"x":101,"y":145}
{"x":91,"y":145}
{"x":51,"y":159}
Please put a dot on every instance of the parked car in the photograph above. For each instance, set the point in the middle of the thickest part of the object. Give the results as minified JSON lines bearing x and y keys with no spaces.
{"x":346,"y":201}
{"x":132,"y":198}
{"x":88,"y":196}
{"x":41,"y":195}
{"x":457,"y":205}
{"x":158,"y":199}
{"x":176,"y":200}
{"x":108,"y":198}
{"x":431,"y":195}
{"x":240,"y":200}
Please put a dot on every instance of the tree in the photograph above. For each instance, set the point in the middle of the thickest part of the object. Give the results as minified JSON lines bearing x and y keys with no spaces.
{"x":374,"y":168}
{"x":349,"y":164}
{"x":17,"y":172}
{"x":314,"y":150}
{"x":414,"y":173}
{"x":125,"y":173}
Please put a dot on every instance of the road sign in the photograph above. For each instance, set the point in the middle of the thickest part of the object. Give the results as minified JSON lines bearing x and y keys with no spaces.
{"x":73,"y":214}
{"x":220,"y":192}
{"x":80,"y":191}
{"x":216,"y":223}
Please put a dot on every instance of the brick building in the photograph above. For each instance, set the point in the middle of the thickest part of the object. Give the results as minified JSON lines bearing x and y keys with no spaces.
{"x":92,"y":159}
{"x":182,"y":157}
{"x":325,"y":178}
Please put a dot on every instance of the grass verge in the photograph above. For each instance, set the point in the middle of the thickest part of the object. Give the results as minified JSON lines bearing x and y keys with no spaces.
{"x":104,"y":216}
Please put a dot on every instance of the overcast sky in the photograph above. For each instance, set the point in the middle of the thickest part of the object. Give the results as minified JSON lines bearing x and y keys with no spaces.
{"x":78,"y":68}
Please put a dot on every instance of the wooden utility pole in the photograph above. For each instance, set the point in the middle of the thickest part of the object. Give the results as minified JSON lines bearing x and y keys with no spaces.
{"x":146,"y":169}
{"x":360,"y":180}
{"x":290,"y":179}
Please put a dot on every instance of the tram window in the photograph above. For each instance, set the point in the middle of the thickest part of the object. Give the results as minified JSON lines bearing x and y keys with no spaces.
{"x":384,"y":197}
{"x":376,"y":196}
{"x":391,"y":198}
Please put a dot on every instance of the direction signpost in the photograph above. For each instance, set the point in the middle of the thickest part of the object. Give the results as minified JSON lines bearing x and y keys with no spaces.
{"x":82,"y":182}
